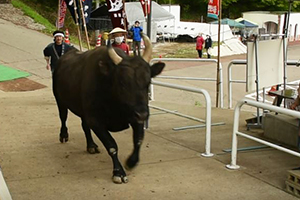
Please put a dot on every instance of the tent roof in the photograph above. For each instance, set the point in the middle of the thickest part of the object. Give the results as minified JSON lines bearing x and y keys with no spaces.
{"x":134,"y":12}
{"x":230,"y":22}
{"x":247,"y":23}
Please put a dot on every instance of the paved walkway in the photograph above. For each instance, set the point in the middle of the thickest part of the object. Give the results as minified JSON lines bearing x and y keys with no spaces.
{"x":37,"y":166}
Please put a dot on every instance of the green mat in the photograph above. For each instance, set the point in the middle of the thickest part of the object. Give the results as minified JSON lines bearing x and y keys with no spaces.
{"x":7,"y":73}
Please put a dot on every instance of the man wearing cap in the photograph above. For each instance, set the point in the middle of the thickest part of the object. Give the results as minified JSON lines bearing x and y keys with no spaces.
{"x":136,"y":40}
{"x":117,"y":36}
{"x":55,"y":50}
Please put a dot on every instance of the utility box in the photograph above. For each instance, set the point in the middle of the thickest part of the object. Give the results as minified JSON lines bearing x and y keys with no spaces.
{"x":281,"y":128}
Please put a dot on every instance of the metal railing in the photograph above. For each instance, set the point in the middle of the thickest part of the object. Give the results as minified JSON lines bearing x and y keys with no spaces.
{"x":244,"y":62}
{"x":236,"y":132}
{"x":207,"y":121}
{"x":221,"y":101}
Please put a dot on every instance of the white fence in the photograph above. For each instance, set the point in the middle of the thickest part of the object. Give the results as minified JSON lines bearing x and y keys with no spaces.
{"x":244,"y":63}
{"x":207,"y":113}
{"x":221,"y":102}
{"x":236,"y":132}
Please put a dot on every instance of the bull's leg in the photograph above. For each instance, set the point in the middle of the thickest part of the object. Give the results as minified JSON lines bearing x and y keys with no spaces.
{"x":91,"y":146}
{"x":63,"y":115}
{"x":138,"y":136}
{"x":119,"y":175}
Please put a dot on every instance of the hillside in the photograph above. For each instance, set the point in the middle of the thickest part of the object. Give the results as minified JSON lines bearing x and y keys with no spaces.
{"x":16,"y":16}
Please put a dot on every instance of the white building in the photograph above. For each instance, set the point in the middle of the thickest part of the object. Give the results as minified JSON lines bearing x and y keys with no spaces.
{"x":273,"y":23}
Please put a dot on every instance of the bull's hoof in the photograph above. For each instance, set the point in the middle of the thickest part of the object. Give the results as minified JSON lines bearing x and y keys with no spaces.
{"x":63,"y":139}
{"x":119,"y":180}
{"x":93,"y":150}
{"x":130,"y":164}
{"x":119,"y":176}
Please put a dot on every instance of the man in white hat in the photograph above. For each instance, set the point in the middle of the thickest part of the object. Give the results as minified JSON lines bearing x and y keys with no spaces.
{"x":55,"y":50}
{"x":117,"y":36}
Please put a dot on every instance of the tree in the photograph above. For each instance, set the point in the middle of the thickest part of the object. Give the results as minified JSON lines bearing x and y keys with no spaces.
{"x":194,"y":9}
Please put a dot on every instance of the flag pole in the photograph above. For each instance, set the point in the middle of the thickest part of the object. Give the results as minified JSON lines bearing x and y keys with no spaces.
{"x":218,"y":65}
{"x":84,"y":24}
{"x":77,"y":24}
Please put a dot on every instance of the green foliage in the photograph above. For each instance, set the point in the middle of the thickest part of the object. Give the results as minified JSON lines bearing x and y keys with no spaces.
{"x":198,"y":104}
{"x":231,"y":8}
{"x":35,"y":16}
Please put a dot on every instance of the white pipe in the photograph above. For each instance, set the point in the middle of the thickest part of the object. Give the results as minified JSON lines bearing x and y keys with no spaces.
{"x":243,"y":62}
{"x":189,"y":78}
{"x":265,"y":106}
{"x":229,"y":81}
{"x":208,"y":111}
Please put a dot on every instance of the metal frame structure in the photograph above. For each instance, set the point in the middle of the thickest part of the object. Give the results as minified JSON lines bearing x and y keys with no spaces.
{"x":244,"y":62}
{"x":207,"y":152}
{"x":191,"y":78}
{"x":233,"y":165}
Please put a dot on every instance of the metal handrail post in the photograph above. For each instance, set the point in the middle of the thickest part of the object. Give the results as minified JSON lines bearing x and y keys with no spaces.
{"x":229,"y":80}
{"x":221,"y":85}
{"x":189,"y":78}
{"x":293,"y":113}
{"x":208,"y":111}
{"x":244,"y":62}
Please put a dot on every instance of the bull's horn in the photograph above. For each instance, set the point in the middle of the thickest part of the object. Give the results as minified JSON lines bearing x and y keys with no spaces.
{"x":114,"y":56}
{"x":148,"y":48}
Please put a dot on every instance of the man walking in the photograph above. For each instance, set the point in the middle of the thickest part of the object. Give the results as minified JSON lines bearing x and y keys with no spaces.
{"x":208,"y":44}
{"x":55,"y":50}
{"x":136,"y":39}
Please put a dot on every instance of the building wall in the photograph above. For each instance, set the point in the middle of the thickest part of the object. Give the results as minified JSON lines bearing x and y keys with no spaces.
{"x":294,"y":28}
{"x":260,"y":18}
{"x":264,"y":19}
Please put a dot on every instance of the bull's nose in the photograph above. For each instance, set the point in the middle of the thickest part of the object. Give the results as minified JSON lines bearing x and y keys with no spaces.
{"x":141,"y":116}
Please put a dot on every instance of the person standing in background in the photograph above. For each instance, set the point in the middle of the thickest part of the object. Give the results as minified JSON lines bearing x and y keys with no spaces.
{"x":208,"y":45}
{"x":199,"y":44}
{"x":117,"y":35}
{"x":55,"y":50}
{"x":136,"y":37}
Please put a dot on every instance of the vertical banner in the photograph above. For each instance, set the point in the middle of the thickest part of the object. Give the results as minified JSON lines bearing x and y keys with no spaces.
{"x":213,"y":9}
{"x":146,"y":6}
{"x":116,"y":8}
{"x":70,"y":5}
{"x":87,"y":8}
{"x":62,"y":9}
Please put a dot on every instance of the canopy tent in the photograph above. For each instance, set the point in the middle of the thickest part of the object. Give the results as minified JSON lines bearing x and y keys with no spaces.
{"x":232,"y":23}
{"x":134,"y":12}
{"x":247,"y":23}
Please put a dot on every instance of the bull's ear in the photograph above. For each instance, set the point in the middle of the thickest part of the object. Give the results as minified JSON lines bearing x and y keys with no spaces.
{"x":157,"y":69}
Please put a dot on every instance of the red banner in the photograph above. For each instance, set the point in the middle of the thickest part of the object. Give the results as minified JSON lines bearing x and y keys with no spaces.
{"x":61,"y":14}
{"x":146,"y":6}
{"x":116,"y":8}
{"x":213,"y":9}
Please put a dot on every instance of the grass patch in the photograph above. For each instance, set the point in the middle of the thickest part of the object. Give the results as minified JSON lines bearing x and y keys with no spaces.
{"x":49,"y":28}
{"x":46,"y":12}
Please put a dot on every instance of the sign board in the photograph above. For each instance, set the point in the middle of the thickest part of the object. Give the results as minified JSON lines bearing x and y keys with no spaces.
{"x":213,"y":9}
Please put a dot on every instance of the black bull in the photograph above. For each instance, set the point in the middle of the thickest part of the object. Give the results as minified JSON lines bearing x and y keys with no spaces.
{"x":108,"y":90}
